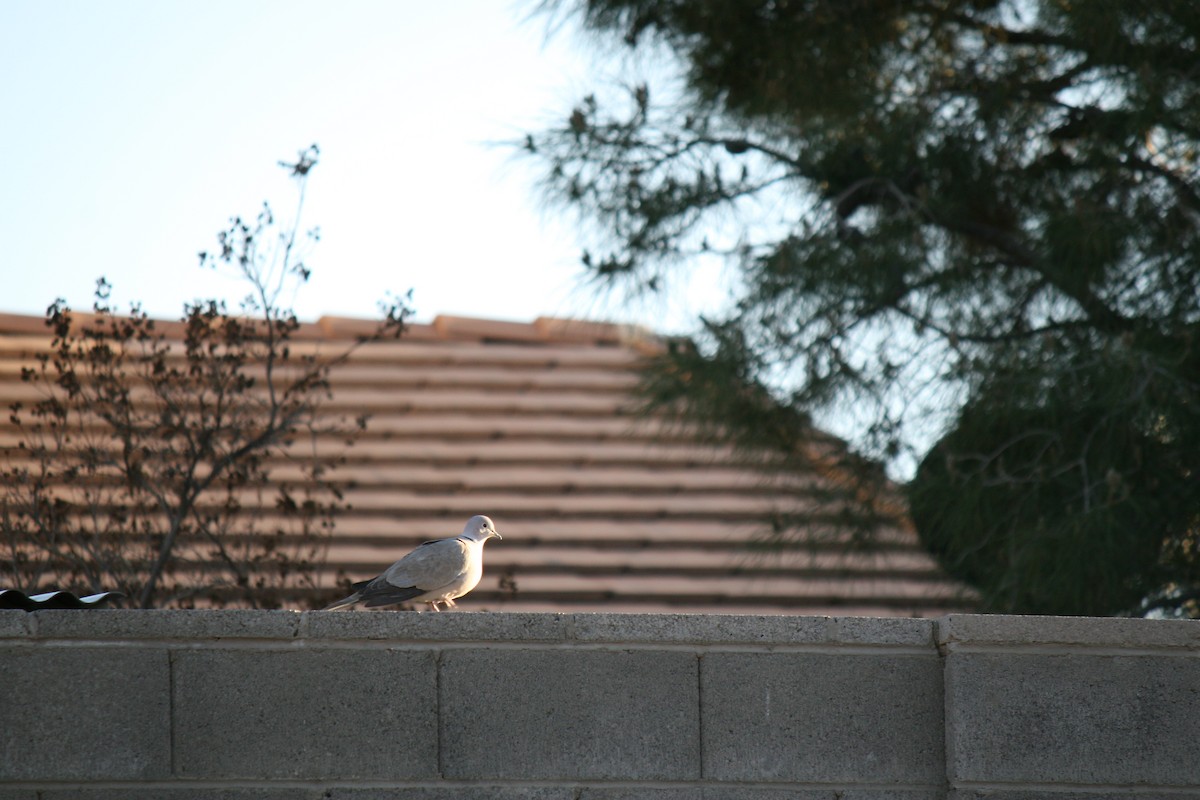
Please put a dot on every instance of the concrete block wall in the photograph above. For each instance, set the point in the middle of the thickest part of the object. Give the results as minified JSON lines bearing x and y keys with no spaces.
{"x":257,"y":705}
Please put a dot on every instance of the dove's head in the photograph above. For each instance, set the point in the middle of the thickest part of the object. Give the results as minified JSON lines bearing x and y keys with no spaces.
{"x":481,"y":528}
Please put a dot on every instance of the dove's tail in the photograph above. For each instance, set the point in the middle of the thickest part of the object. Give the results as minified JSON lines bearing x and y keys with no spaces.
{"x":344,"y":603}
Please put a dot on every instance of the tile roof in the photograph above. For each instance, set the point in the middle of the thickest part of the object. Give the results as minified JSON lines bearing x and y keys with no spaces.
{"x":530,"y":423}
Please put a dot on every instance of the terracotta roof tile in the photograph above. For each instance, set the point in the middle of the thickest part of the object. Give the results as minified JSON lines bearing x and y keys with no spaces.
{"x":600,"y":510}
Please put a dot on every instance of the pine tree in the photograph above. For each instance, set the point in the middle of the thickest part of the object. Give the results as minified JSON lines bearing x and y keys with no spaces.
{"x":977,"y":221}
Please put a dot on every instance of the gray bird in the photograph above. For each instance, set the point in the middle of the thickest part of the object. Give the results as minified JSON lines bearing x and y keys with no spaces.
{"x":435,"y":572}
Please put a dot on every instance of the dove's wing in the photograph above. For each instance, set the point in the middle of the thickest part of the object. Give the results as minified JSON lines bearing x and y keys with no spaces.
{"x":431,"y":566}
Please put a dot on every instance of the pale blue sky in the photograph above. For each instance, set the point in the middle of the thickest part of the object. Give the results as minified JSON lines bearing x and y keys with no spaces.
{"x":133,"y":129}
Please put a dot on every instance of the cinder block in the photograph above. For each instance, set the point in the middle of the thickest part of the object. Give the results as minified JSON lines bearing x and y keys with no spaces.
{"x":812,"y":717}
{"x":957,"y":631}
{"x":315,"y":714}
{"x":1113,"y":793}
{"x":747,"y":792}
{"x":763,"y":793}
{"x":208,"y":624}
{"x":883,"y":631}
{"x":455,"y":792}
{"x":642,"y":792}
{"x":98,"y":713}
{"x":700,"y":629}
{"x":18,"y":794}
{"x":15,"y":624}
{"x":545,"y":714}
{"x":724,"y":629}
{"x":182,"y":793}
{"x":459,"y":626}
{"x":1073,"y":719}
{"x":833,"y":793}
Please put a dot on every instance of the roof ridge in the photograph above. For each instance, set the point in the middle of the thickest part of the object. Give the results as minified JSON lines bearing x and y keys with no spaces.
{"x":446,"y":327}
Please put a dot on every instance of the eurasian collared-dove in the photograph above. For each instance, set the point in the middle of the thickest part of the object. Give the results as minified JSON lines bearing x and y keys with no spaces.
{"x":435,"y":572}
